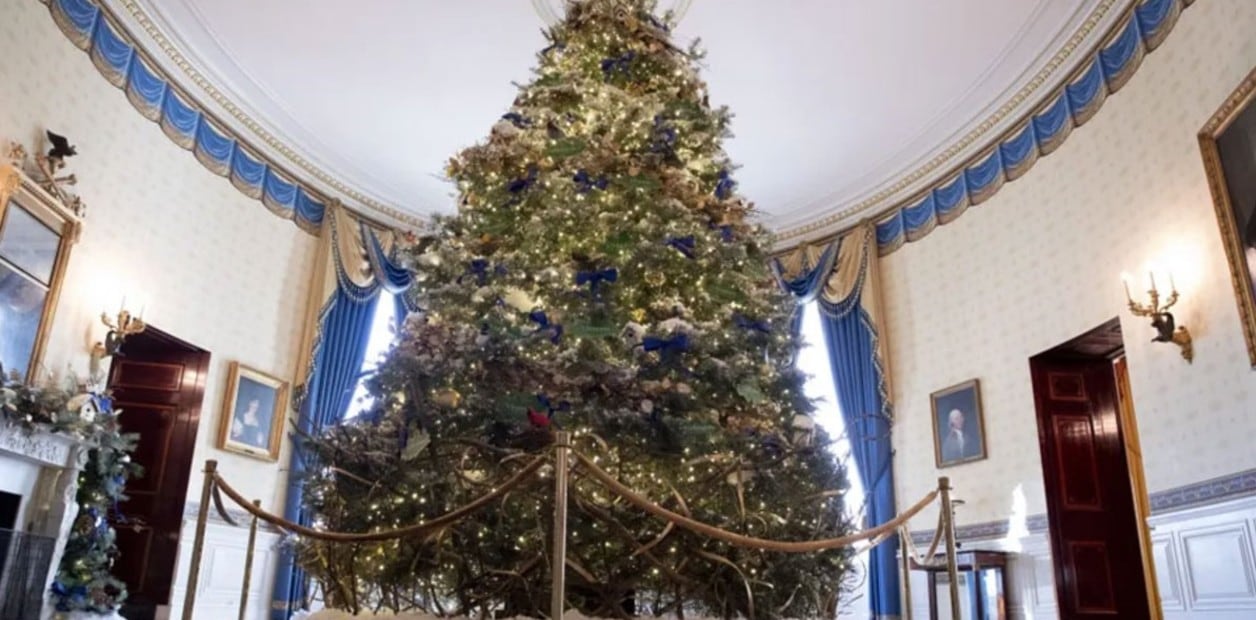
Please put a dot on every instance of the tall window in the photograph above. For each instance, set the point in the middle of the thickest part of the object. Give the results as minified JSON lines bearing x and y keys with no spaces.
{"x":814,"y":360}
{"x":383,"y":331}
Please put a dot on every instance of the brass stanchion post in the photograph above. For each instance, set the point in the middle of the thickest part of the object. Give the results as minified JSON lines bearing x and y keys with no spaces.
{"x":198,"y":543}
{"x":562,"y":447}
{"x":952,"y":569}
{"x":248,"y":563}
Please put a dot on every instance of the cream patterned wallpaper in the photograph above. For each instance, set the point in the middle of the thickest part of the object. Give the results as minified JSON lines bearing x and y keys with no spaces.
{"x":1040,"y":263}
{"x":212,"y":266}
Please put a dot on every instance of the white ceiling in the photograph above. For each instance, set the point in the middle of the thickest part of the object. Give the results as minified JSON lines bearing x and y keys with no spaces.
{"x":835,"y":99}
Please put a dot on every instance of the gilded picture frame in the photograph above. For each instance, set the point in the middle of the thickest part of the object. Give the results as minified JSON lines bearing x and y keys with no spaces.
{"x":959,"y":425}
{"x":254,"y":409}
{"x":22,"y":198}
{"x":1228,"y":145}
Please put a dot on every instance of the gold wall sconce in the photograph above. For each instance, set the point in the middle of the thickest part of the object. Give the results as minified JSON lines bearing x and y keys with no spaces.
{"x":1162,"y":320}
{"x":124,"y":325}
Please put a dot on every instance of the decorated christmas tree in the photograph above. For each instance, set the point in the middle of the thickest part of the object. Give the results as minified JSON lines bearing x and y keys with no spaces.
{"x":603,"y":277}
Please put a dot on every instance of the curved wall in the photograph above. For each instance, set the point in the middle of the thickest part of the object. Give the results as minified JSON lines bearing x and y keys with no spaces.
{"x":212,"y":267}
{"x":1040,"y":263}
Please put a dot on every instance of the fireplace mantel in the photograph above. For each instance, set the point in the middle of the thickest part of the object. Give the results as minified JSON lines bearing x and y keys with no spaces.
{"x":44,"y":449}
{"x":51,"y":463}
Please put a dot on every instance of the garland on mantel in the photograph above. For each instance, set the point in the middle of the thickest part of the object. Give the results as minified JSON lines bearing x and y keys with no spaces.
{"x":84,"y":582}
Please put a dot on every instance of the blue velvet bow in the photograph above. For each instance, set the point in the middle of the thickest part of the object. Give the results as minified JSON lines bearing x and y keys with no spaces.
{"x":726,"y":230}
{"x":685,"y":245}
{"x":551,"y":47}
{"x":104,"y":404}
{"x":666,"y":346}
{"x":517,"y":119}
{"x":595,"y":278}
{"x":725,"y":186}
{"x":664,"y":137}
{"x":586,"y":183}
{"x":551,"y":408}
{"x":479,"y":269}
{"x":543,"y":324}
{"x":746,"y":322}
{"x":617,"y":64}
{"x":521,"y":184}
{"x":71,"y":598}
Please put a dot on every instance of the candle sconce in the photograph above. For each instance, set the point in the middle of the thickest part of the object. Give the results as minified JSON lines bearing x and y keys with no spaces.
{"x":1162,"y":320}
{"x":119,"y":329}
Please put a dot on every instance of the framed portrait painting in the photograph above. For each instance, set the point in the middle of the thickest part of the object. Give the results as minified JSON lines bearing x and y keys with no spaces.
{"x":254,"y":410}
{"x":959,"y":431}
{"x":1228,"y":143}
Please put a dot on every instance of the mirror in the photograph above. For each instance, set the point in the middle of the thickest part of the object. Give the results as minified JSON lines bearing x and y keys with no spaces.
{"x":36,"y":233}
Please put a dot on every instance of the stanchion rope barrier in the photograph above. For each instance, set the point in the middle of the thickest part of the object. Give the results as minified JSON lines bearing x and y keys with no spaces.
{"x":422,"y":528}
{"x":874,"y":535}
{"x":562,"y":449}
{"x":742,"y":540}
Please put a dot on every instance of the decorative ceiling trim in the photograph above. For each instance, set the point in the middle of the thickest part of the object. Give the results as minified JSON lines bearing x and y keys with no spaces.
{"x":1012,"y":152}
{"x":94,"y":28}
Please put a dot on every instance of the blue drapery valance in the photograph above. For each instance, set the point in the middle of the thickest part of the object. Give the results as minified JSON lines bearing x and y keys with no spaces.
{"x":841,"y":277}
{"x":357,"y":267}
{"x":1099,"y":74}
{"x":158,"y":99}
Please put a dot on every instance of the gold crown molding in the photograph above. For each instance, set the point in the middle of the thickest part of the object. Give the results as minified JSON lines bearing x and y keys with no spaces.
{"x":145,"y":22}
{"x":996,"y":119}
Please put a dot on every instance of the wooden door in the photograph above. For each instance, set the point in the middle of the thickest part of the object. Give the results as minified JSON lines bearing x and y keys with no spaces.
{"x":1090,"y":506}
{"x":158,"y":383}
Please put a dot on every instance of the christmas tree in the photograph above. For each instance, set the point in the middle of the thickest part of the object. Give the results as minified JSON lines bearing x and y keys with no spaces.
{"x":603,"y":277}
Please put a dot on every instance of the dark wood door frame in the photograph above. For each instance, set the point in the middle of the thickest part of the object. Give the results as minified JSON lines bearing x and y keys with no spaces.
{"x":158,"y":382}
{"x":1092,"y":474}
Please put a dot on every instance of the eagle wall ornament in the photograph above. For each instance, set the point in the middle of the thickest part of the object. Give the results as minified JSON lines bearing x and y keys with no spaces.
{"x":46,"y":168}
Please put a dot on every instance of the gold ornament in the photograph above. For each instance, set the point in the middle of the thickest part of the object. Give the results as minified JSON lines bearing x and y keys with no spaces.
{"x":655,"y":278}
{"x":638,"y":314}
{"x":447,"y":397}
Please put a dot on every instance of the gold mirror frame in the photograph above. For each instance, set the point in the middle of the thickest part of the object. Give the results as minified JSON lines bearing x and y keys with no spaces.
{"x":1235,"y":104}
{"x":17,"y":187}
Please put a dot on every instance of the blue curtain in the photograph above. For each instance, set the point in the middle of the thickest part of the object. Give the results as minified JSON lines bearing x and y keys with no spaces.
{"x":860,"y":393}
{"x":851,"y":338}
{"x":346,"y":329}
{"x":336,"y":366}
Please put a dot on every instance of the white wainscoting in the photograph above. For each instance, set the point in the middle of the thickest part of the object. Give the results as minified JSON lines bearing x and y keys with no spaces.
{"x":1205,"y":566}
{"x":222,"y":572}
